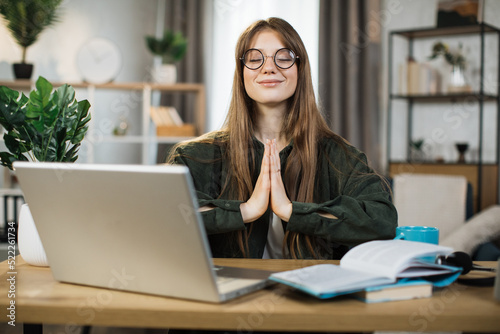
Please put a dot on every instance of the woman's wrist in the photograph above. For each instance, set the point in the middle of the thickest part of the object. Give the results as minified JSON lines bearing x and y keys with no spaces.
{"x":248,"y":213}
{"x":285,"y":212}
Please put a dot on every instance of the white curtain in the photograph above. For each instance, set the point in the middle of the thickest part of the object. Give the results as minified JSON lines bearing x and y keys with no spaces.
{"x":226,"y":21}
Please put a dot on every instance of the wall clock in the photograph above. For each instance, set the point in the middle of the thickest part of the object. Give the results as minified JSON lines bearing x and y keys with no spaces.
{"x":99,"y":61}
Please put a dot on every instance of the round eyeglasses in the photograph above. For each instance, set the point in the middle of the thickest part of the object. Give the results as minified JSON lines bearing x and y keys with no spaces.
{"x":283,"y":58}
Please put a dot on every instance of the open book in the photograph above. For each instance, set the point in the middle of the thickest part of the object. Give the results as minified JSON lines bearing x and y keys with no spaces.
{"x":371,"y":264}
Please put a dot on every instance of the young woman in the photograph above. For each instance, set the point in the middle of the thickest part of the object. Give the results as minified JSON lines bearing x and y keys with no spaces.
{"x":275,"y":182}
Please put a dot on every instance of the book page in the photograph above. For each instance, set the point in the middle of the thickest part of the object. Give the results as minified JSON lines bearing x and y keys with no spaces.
{"x":161,"y":116}
{"x":389,"y":257}
{"x":174,"y":115}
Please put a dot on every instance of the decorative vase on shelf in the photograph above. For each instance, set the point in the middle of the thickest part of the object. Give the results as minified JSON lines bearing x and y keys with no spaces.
{"x":164,"y":74}
{"x":29,"y":243}
{"x":417,"y":153}
{"x":458,"y":83}
{"x":121,"y":128}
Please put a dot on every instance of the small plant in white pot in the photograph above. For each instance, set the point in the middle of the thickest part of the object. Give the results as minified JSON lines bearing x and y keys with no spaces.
{"x":171,"y":48}
{"x":49,"y":125}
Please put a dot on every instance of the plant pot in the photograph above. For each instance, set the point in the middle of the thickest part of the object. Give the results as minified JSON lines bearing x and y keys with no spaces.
{"x":164,"y":74}
{"x":22,"y":70}
{"x":29,"y":243}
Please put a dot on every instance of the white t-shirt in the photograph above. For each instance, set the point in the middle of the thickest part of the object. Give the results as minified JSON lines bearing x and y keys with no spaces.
{"x":275,"y":235}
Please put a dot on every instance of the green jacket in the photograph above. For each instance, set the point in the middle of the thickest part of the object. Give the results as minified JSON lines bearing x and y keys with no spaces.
{"x":348,"y":190}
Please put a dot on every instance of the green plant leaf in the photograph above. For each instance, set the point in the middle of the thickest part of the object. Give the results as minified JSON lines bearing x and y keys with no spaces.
{"x":41,"y":107}
{"x":11,"y":108}
{"x":15,"y":144}
{"x":172,"y":46}
{"x":55,"y":125}
{"x":71,"y":154}
{"x":43,"y":87}
{"x":153,"y":45}
{"x":81,"y":126}
{"x":6,"y":159}
{"x":79,"y":131}
{"x":67,"y":107}
{"x":60,"y":144}
{"x":7,"y":94}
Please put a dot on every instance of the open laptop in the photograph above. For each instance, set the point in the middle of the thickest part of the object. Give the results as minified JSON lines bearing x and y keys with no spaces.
{"x":128,"y":227}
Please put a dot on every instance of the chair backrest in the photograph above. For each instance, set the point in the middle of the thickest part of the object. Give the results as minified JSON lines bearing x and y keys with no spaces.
{"x":431,"y":200}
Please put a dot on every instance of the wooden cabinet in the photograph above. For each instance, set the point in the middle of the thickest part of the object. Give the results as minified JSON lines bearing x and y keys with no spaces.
{"x":483,"y":174}
{"x":145,"y":138}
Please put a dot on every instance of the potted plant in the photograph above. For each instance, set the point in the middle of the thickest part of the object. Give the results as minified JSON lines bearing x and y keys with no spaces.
{"x":26,"y":19}
{"x":47,"y":125}
{"x":170,"y":48}
{"x":457,"y":82}
{"x":417,"y":150}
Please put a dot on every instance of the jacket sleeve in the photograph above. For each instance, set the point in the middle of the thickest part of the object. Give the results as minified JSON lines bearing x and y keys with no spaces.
{"x":223,"y":215}
{"x":358,"y":199}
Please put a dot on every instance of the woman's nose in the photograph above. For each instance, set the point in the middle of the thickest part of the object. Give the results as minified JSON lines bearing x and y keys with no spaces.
{"x":269,"y":64}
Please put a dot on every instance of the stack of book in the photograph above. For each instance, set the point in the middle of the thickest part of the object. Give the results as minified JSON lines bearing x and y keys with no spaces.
{"x":169,"y":123}
{"x":418,"y":78}
{"x":376,"y":271}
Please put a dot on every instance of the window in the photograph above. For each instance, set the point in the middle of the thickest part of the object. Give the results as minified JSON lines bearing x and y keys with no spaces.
{"x":228,"y":19}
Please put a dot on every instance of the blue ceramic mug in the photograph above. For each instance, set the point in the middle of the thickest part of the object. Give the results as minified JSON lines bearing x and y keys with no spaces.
{"x":418,"y":233}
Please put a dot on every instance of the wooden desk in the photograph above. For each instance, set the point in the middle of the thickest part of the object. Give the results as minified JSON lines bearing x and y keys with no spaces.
{"x":40,"y":299}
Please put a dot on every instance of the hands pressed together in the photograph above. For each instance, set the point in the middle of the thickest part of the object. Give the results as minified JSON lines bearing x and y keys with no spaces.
{"x":269,"y":189}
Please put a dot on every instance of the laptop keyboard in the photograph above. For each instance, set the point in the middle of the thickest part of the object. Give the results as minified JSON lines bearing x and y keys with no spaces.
{"x":224,"y":279}
{"x":233,"y":275}
{"x":221,"y":279}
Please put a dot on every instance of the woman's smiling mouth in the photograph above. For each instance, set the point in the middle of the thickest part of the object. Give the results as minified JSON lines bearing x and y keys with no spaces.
{"x":269,"y":82}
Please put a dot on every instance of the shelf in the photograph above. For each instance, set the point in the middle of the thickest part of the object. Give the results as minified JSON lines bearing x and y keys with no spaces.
{"x":179,"y":87}
{"x":446,"y":97}
{"x":446,"y":31}
{"x":446,"y":163}
{"x":28,"y":84}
